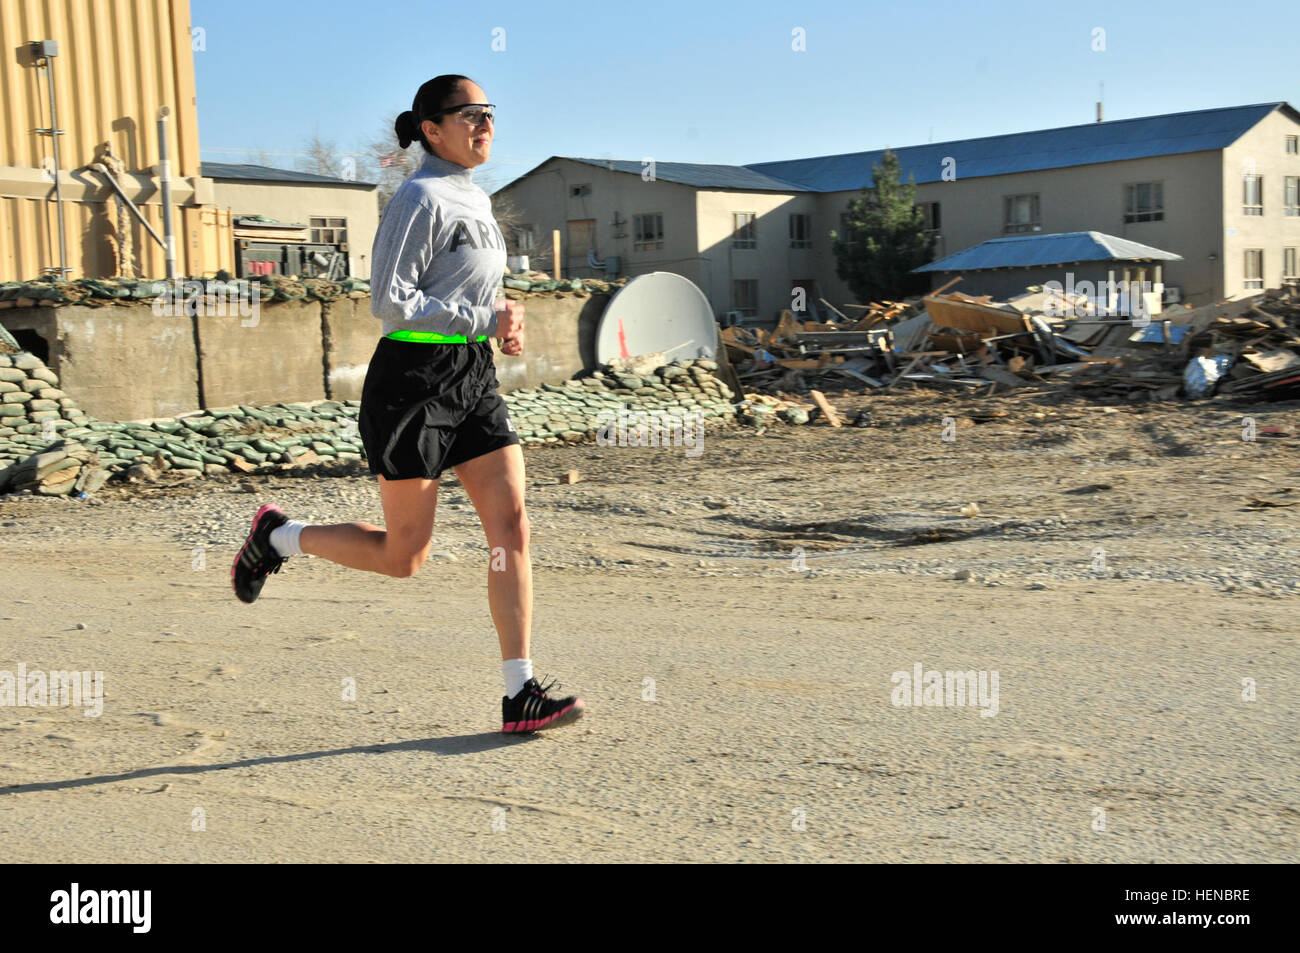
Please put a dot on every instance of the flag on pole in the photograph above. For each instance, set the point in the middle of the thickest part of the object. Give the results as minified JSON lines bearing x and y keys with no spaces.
{"x":393,"y":158}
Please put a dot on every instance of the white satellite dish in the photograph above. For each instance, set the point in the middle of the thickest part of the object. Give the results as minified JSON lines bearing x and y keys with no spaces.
{"x":658,"y":312}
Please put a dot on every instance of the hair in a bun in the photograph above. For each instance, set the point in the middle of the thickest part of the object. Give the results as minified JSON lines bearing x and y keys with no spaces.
{"x":430,"y":98}
{"x":406,"y":129}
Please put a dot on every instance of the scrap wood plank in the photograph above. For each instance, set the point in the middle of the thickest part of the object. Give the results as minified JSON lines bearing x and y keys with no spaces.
{"x":824,"y":405}
{"x":862,"y":377}
{"x":786,"y":328}
{"x":1002,"y":376}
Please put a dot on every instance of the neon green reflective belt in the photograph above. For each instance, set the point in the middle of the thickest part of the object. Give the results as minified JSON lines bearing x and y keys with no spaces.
{"x":432,"y":337}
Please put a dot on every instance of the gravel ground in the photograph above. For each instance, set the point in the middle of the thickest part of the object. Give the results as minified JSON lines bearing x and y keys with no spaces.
{"x":1103,"y":559}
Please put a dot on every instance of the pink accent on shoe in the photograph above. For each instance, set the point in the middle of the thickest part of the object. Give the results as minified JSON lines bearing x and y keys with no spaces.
{"x":536,"y":723}
{"x":257,"y":518}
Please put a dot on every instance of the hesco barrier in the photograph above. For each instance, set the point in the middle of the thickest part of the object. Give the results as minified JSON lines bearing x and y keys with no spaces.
{"x":128,"y":358}
{"x":51,"y":447}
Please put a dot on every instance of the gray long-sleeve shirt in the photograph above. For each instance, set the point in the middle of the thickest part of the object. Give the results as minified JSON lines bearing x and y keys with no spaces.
{"x":438,"y":255}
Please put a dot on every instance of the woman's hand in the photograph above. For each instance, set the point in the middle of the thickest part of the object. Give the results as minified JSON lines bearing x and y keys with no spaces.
{"x":510,"y":319}
{"x":513,"y":346}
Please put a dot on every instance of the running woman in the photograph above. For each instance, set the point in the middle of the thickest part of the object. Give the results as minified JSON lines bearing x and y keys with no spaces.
{"x":430,"y":401}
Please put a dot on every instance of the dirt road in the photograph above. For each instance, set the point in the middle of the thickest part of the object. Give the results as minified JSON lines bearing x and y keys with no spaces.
{"x":741,"y":625}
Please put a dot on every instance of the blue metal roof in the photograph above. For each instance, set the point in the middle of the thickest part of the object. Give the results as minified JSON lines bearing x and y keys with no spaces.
{"x":1028,"y":251}
{"x":701,"y":175}
{"x":261,"y":173}
{"x":1171,"y":134}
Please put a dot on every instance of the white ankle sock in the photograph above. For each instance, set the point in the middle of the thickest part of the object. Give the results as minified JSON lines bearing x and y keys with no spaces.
{"x":517,"y":671}
{"x":285,"y":538}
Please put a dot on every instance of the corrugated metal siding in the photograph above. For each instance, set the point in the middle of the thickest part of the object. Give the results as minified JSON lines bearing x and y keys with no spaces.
{"x":118,"y":61}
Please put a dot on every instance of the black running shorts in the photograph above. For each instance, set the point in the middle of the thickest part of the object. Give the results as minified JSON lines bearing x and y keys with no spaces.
{"x":428,"y":407}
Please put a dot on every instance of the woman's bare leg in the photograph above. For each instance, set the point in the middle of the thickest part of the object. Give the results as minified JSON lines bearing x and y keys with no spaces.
{"x":398,"y":550}
{"x":494,"y":483}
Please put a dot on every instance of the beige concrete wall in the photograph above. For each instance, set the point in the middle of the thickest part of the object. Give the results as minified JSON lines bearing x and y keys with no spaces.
{"x":117,"y":362}
{"x":299,"y":202}
{"x":277,"y":357}
{"x":559,"y":340}
{"x":123,"y":362}
{"x":1263,"y":150}
{"x":349,"y":334}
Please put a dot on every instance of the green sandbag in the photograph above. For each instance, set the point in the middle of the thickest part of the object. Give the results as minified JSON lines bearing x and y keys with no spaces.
{"x":103,"y":289}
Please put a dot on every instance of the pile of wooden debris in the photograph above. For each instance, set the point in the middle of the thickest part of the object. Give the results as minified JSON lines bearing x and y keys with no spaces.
{"x":1039,"y":340}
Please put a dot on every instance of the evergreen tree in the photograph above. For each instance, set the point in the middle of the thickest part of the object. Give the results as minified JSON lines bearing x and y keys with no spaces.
{"x":884,"y":238}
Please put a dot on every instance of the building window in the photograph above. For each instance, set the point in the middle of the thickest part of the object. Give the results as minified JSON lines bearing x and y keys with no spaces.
{"x":1292,"y":145}
{"x":800,"y":231}
{"x":1254,"y":268}
{"x":1288,"y":267}
{"x":931,"y":212}
{"x":742,"y":230}
{"x":647,"y":231}
{"x":1020,"y":214}
{"x":1291,"y":195}
{"x":525,"y":237}
{"x":744,"y":296}
{"x":578,"y":191}
{"x":329,"y":231}
{"x":843,"y":233}
{"x":1144,"y":202}
{"x":1252,"y":195}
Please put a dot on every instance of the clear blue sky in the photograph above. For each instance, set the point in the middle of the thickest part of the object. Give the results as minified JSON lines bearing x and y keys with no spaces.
{"x":719,"y":82}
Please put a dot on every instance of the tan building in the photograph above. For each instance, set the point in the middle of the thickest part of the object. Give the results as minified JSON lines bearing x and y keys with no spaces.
{"x":1218,"y":187}
{"x":341,"y":213}
{"x":116,"y":66}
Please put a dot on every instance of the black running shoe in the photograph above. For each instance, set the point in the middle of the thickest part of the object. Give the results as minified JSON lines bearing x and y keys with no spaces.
{"x":258,"y":558}
{"x":533,"y":710}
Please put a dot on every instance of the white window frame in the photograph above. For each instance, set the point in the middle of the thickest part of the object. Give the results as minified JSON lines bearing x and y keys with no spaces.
{"x":647,"y":231}
{"x":1154,"y":211}
{"x":744,"y":230}
{"x":1249,"y":184}
{"x":1255,"y":282}
{"x":800,"y":230}
{"x":1011,"y":223}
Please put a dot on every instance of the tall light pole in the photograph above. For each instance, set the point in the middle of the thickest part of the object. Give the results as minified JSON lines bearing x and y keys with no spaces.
{"x":45,"y":51}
